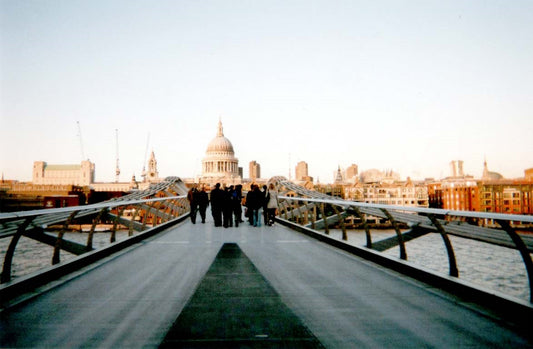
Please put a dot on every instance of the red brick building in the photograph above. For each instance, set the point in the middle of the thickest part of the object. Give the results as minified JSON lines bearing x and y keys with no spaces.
{"x":507,"y":196}
{"x":460,"y":194}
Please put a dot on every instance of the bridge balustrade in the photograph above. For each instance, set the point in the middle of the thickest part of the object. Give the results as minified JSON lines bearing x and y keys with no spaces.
{"x":317,"y":211}
{"x":146,"y":209}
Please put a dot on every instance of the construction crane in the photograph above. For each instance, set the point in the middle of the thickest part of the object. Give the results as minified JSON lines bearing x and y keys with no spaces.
{"x":81,"y":142}
{"x":117,"y":168}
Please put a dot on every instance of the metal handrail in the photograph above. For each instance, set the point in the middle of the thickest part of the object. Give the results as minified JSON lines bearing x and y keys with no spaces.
{"x":108,"y":204}
{"x":505,"y":236}
{"x":16,"y":224}
{"x":435,"y":211}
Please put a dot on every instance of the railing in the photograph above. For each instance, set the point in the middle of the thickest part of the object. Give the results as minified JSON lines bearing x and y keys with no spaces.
{"x":145,"y":213}
{"x":317,"y":211}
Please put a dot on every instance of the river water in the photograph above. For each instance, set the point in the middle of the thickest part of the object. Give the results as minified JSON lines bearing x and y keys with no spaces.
{"x":497,"y":268}
{"x":31,"y":255}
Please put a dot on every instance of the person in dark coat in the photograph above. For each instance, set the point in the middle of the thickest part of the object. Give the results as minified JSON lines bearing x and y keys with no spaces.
{"x":193,"y":203}
{"x":227,"y":207}
{"x":203,"y":202}
{"x":217,"y":202}
{"x":249,"y":204}
{"x":236,"y":202}
{"x":254,"y":202}
{"x":264,"y":205}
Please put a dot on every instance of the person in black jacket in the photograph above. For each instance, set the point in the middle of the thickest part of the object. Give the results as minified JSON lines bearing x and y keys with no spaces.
{"x":264,"y":205}
{"x":227,"y":207}
{"x":236,"y":202}
{"x":217,"y":202}
{"x":193,"y":203}
{"x":203,"y":202}
{"x":254,"y":201}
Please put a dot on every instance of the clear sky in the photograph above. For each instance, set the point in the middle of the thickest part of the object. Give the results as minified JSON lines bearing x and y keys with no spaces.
{"x":402,"y":85}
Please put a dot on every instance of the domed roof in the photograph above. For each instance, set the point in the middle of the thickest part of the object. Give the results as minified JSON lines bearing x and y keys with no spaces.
{"x":489,"y":175}
{"x":220,"y":143}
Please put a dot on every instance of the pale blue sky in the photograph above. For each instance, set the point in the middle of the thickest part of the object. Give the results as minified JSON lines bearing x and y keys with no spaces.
{"x":401,"y":85}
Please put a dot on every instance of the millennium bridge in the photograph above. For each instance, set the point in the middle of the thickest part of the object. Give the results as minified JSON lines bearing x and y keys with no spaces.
{"x":171,"y":283}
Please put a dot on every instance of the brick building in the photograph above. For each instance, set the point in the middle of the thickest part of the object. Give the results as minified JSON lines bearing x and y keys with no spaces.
{"x":506,"y":196}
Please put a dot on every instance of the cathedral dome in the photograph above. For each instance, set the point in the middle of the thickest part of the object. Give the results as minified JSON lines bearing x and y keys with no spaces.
{"x":220,"y":144}
{"x":220,"y":163}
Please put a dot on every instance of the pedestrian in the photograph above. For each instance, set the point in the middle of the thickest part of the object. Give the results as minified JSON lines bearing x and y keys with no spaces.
{"x":227,"y":207}
{"x":272,"y":204}
{"x":236,"y":201}
{"x":217,"y":201}
{"x":193,"y":203}
{"x":264,"y":205}
{"x":254,"y":202}
{"x":203,"y":202}
{"x":247,"y":203}
{"x":250,"y":202}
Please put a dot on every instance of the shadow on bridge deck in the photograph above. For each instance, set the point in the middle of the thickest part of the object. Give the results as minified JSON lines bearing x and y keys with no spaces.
{"x":133,"y":298}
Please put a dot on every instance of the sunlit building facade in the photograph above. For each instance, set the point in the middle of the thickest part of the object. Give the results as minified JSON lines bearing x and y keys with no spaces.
{"x":44,"y":173}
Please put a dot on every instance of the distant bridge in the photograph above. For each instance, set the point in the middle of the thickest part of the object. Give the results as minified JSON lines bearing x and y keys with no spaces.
{"x":175,"y":283}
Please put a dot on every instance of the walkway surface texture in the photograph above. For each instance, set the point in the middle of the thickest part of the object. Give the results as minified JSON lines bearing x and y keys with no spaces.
{"x":269,"y":286}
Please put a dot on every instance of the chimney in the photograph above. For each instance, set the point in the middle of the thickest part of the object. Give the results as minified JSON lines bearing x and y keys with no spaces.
{"x":453,"y":167}
{"x":460,"y":165}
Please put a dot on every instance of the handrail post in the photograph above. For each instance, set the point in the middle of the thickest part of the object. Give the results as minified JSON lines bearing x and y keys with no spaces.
{"x":155,"y":220}
{"x":403,"y":253}
{"x":313,"y":217}
{"x":146,"y":216}
{"x":300,"y":214}
{"x":57,"y":247}
{"x":341,"y":221}
{"x":524,"y":252}
{"x":454,"y":271}
{"x":285,"y":204}
{"x":113,"y":236}
{"x":93,"y":227}
{"x":325,"y":219}
{"x":306,"y":216}
{"x":365,"y":226}
{"x":8,"y":259}
{"x":135,"y":213}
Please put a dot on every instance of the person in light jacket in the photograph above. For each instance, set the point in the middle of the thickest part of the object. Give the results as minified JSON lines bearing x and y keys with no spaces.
{"x":271,"y":203}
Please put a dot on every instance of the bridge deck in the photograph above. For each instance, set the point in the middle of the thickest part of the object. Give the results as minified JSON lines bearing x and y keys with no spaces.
{"x":133,"y":299}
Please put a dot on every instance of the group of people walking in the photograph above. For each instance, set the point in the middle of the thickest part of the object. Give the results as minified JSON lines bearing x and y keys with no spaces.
{"x":226,"y":204}
{"x":257,"y":200}
{"x":198,"y":200}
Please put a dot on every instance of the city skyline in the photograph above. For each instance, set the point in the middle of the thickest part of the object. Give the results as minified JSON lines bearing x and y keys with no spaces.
{"x":390,"y":85}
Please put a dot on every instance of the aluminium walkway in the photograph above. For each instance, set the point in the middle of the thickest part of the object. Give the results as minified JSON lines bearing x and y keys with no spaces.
{"x":134,"y":298}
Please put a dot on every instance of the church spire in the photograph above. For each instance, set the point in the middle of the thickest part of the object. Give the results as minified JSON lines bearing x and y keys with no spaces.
{"x":486,"y":173}
{"x":220,"y":132}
